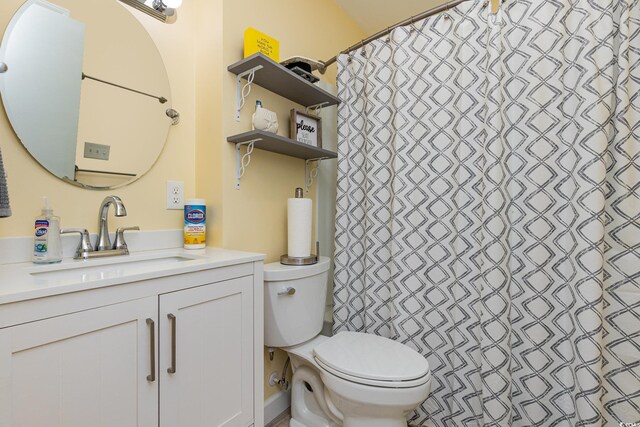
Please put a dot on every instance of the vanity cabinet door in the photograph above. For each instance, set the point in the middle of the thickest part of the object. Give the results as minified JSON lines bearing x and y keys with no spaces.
{"x":83,"y":369}
{"x":206,"y":355}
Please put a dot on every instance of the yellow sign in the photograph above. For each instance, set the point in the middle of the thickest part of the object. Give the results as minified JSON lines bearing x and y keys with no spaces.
{"x":255,"y":41}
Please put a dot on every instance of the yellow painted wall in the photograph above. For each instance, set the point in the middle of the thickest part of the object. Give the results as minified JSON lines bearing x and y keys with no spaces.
{"x":144,"y":199}
{"x":209,"y":72}
{"x":196,"y":49}
{"x":255,"y":217}
{"x":207,"y":37}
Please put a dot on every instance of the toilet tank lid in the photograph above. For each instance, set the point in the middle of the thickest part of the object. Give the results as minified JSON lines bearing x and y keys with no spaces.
{"x":275,"y":272}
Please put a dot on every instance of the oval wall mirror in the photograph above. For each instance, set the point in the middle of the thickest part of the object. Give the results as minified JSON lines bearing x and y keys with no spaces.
{"x":85,"y":90}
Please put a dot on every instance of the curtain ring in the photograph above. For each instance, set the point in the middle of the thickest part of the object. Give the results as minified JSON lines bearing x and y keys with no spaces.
{"x":411,"y":27}
{"x":388,"y":34}
{"x":363,"y":53}
{"x":446,"y":11}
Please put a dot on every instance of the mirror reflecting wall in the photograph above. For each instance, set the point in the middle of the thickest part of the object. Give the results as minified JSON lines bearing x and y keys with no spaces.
{"x":86,"y":90}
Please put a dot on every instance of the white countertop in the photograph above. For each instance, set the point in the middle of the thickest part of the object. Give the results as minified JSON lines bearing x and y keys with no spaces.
{"x":24,"y":281}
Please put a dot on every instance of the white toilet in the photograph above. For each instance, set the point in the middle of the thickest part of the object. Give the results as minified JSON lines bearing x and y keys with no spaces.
{"x":351,"y":379}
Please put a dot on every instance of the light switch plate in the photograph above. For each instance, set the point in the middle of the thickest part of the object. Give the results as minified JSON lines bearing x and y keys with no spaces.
{"x":96,"y":151}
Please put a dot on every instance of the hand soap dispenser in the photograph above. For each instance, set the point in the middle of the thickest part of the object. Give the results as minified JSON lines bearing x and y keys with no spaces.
{"x":47,"y":248}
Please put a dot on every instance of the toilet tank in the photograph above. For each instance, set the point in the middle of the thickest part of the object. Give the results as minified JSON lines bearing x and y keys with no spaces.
{"x":294,"y":301}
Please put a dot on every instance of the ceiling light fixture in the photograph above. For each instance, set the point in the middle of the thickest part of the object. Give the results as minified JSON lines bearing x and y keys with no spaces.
{"x":164,"y":5}
{"x":162,"y":10}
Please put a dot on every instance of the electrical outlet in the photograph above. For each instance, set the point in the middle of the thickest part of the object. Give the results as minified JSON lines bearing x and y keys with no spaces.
{"x":175,"y":195}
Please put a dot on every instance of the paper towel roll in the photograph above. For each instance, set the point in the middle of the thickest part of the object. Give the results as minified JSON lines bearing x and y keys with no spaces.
{"x":299,"y":227}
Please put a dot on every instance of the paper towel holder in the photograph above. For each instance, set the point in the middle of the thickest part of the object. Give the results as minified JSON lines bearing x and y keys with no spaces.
{"x":308,"y":260}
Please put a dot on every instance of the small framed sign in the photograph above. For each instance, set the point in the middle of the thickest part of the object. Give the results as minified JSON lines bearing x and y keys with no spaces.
{"x":306,"y":128}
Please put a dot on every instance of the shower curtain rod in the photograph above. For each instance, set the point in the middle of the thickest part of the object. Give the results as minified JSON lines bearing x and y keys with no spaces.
{"x":418,"y":17}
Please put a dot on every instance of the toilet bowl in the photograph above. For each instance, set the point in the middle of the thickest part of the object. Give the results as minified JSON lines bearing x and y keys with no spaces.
{"x":351,"y":379}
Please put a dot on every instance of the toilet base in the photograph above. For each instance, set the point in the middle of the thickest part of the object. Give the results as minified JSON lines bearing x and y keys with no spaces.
{"x":370,"y":422}
{"x":312,"y":405}
{"x":321,"y":399}
{"x":308,"y":405}
{"x":360,"y":422}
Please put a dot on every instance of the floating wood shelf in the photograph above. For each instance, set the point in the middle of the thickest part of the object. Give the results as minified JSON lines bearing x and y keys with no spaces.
{"x":279,"y":144}
{"x":280,"y":80}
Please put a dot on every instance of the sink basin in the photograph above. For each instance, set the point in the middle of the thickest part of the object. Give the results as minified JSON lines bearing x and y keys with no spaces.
{"x":109,"y":268}
{"x":26,"y":281}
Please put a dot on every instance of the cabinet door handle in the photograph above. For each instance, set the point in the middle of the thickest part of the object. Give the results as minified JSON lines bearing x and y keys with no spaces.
{"x":172,"y":368}
{"x":152,"y":350}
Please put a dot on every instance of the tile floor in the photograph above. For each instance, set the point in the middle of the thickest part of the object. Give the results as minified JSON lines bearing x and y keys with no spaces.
{"x":281,"y":420}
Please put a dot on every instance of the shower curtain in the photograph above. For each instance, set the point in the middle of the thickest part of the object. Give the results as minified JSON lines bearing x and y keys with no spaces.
{"x":488,"y":208}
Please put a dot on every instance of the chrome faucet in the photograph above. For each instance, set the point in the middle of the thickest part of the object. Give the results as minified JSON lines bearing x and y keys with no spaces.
{"x":104,"y":242}
{"x":104,"y":248}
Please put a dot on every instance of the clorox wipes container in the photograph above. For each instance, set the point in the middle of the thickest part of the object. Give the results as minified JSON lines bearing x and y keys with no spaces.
{"x":195,"y":224}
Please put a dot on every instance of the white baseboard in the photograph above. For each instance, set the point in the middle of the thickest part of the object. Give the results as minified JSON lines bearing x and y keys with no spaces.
{"x":275,"y":405}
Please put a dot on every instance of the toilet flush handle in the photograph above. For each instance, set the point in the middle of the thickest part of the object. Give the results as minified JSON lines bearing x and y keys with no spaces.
{"x":287,"y":291}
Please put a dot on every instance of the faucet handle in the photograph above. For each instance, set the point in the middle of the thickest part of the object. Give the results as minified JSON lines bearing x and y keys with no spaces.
{"x":84,"y":247}
{"x":120,"y":243}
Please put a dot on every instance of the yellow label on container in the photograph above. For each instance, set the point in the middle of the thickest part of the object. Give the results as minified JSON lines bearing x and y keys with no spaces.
{"x":198,"y":238}
{"x":256,"y":41}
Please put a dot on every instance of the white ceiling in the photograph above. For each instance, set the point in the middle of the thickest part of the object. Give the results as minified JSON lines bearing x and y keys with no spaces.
{"x":375,"y":15}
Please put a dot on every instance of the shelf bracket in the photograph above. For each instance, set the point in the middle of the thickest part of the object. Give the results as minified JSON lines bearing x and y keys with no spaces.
{"x":241,"y":95}
{"x":243,"y":160}
{"x":311,"y":172}
{"x":315,"y":108}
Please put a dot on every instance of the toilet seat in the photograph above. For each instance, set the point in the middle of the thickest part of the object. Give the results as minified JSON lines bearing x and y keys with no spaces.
{"x":374,"y":383}
{"x":372,"y":360}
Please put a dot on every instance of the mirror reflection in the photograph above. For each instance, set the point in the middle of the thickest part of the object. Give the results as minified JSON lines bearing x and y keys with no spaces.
{"x":85,"y":90}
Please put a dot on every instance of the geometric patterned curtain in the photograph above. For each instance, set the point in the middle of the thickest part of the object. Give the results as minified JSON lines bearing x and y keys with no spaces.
{"x":488,"y":209}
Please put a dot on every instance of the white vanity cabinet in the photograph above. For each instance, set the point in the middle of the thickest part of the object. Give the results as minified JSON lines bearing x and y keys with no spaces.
{"x":206,"y":368}
{"x":82,"y":369}
{"x":178,"y":349}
